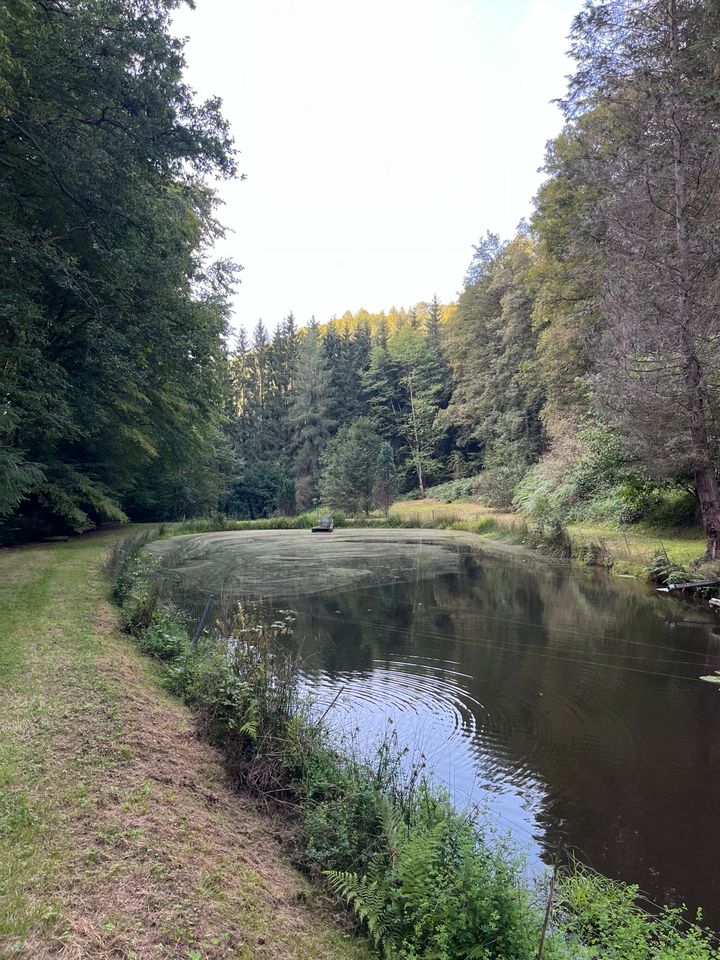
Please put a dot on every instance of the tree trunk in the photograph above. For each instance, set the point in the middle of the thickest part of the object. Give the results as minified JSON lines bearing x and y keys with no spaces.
{"x":418,"y":459}
{"x":703,"y":469}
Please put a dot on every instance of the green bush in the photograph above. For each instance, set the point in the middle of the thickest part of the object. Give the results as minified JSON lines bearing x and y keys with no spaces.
{"x":448,"y":492}
{"x":205,"y":680}
{"x":602,"y":484}
{"x":674,"y":507}
{"x":167,"y":637}
{"x":602,"y":919}
{"x":551,"y":537}
{"x":340,"y":812}
{"x":593,"y":554}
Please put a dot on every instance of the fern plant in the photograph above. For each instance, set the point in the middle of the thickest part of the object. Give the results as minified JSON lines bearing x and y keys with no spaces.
{"x":437,"y":890}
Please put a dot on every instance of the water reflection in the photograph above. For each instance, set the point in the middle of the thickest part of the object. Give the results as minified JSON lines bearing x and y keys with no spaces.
{"x":569,"y":702}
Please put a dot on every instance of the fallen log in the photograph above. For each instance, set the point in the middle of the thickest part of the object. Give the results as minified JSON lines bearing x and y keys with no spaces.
{"x":691,"y":585}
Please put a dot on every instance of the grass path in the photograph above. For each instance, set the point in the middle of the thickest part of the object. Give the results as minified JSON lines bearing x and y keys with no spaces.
{"x":119,"y":835}
{"x":631,"y":547}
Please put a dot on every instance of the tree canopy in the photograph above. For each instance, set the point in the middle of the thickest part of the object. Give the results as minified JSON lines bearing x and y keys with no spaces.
{"x":112,"y":321}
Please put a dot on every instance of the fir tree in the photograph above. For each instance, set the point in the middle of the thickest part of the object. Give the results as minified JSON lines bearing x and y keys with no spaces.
{"x":310,"y":414}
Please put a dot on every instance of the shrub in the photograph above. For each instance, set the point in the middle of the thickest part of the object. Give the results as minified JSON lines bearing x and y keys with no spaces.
{"x":448,"y":492}
{"x":604,"y":920}
{"x":340,"y":813}
{"x":551,"y":537}
{"x":166,"y":638}
{"x":438,"y":888}
{"x":593,"y":554}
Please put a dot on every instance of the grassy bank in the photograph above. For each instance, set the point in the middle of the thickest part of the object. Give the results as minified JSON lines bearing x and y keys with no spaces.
{"x":628,"y":549}
{"x":120,"y":834}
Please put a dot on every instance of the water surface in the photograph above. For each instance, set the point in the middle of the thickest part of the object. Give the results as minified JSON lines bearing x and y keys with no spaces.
{"x":566,"y":701}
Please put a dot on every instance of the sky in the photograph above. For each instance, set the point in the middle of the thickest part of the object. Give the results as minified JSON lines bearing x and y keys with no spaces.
{"x":380,"y":140}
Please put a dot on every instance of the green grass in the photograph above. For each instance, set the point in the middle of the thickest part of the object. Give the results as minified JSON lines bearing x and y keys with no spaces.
{"x":47,"y":602}
{"x":631,"y":547}
{"x":118,"y":833}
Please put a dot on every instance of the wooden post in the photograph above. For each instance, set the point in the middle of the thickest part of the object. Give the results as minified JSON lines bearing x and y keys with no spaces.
{"x":201,"y":621}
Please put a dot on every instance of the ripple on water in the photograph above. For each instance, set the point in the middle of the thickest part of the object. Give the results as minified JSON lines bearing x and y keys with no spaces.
{"x":426,"y":705}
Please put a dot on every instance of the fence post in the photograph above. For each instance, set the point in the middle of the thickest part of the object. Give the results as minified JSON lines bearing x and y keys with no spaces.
{"x":201,"y":621}
{"x":548,"y":908}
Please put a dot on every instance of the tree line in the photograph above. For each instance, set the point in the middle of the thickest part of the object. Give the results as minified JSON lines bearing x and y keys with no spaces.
{"x":577,"y":373}
{"x":579,"y":370}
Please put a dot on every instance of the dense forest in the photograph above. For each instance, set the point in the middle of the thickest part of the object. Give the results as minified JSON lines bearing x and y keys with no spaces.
{"x":578,"y":372}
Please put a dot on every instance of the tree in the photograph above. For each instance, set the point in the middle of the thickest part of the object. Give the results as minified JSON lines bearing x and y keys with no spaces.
{"x":385,"y":488}
{"x":646,"y":85}
{"x":491,"y":346}
{"x":310,"y":414}
{"x":350,"y":468}
{"x":112,"y":321}
{"x":404,"y":387}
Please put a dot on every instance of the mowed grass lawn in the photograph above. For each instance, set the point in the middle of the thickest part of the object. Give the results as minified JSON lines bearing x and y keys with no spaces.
{"x":119,"y":834}
{"x":631,"y":547}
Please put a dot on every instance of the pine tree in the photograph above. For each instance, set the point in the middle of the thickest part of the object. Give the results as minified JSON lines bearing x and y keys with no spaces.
{"x":385,"y":488}
{"x":644,"y":97}
{"x":310,"y":414}
{"x":491,"y":344}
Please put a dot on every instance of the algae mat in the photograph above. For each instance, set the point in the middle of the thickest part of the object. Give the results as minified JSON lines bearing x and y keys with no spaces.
{"x":297,"y":563}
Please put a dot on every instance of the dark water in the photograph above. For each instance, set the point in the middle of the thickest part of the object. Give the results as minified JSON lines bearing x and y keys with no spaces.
{"x":566,"y":701}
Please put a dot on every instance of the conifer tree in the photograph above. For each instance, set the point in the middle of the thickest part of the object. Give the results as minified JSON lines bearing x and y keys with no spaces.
{"x":645,"y":95}
{"x":310,"y":414}
{"x":385,"y":489}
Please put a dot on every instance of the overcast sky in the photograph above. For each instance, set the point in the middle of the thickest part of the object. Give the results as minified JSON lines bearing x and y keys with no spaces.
{"x":380,"y":140}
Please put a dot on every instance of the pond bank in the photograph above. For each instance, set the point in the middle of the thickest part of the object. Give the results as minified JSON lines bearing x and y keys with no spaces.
{"x":630,"y":548}
{"x":244,"y":736}
{"x":119,"y":831}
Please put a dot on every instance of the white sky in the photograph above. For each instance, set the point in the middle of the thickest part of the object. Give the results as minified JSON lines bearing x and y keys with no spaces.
{"x":380,"y":140}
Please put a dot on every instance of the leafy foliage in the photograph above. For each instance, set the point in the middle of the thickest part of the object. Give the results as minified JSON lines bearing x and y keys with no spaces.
{"x":439,"y":889}
{"x":350,"y":468}
{"x":112,"y":324}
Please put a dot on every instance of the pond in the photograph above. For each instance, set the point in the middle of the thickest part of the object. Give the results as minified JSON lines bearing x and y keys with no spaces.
{"x":566,"y":701}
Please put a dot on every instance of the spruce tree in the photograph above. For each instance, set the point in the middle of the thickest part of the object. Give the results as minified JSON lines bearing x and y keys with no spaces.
{"x":310,"y":414}
{"x":385,"y":489}
{"x":644,"y":96}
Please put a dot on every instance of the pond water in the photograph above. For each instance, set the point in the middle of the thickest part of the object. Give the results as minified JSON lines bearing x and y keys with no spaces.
{"x":567,"y":702}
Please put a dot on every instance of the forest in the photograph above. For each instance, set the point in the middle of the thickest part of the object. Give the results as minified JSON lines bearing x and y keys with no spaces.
{"x":577,"y":374}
